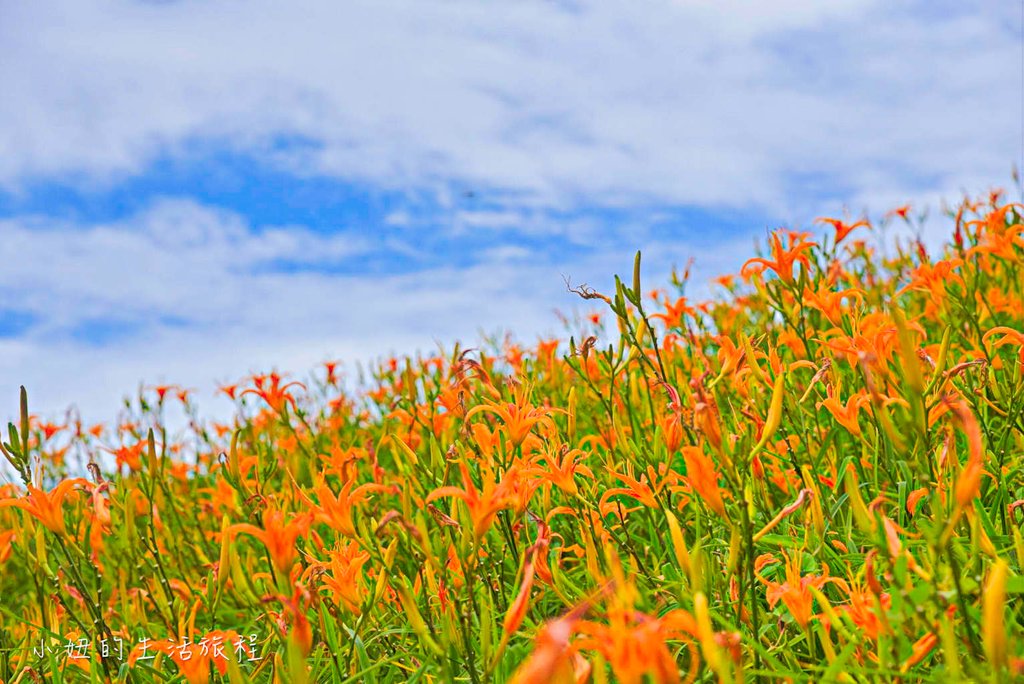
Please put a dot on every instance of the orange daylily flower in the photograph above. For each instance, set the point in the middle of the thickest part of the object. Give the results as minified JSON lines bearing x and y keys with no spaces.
{"x":486,"y":439}
{"x":914,"y":497}
{"x":997,"y":301}
{"x":130,"y":456}
{"x":703,"y":478}
{"x":903,"y":212}
{"x":517,"y":609}
{"x":221,"y":497}
{"x":555,"y":660}
{"x":483,"y":504}
{"x":331,"y":369}
{"x":922,"y":647}
{"x":998,"y":238}
{"x":671,"y":425}
{"x":162,"y":390}
{"x":452,"y":399}
{"x":519,"y":417}
{"x":846,"y":414}
{"x":6,"y":541}
{"x":277,"y":535}
{"x":795,"y":591}
{"x":560,"y":468}
{"x":1007,"y":244}
{"x":673,"y":316}
{"x":230,"y":391}
{"x":873,"y":341}
{"x":636,"y":644}
{"x":193,"y":656}
{"x":645,"y":490}
{"x":336,"y":510}
{"x":863,"y":609}
{"x":46,"y":507}
{"x":730,"y":355}
{"x":49,"y":429}
{"x":783,"y":257}
{"x":343,"y":575}
{"x":1007,"y":336}
{"x":829,"y":301}
{"x":841,"y":227}
{"x":706,"y":419}
{"x":546,"y":351}
{"x":269,"y":389}
{"x":934,"y":279}
{"x":291,"y":621}
{"x":968,"y":485}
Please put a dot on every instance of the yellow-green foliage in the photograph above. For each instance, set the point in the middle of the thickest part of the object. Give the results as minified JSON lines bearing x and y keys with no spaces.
{"x":814,"y":476}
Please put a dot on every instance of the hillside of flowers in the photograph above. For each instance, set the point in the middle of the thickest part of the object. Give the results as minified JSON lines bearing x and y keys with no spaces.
{"x":816,"y":474}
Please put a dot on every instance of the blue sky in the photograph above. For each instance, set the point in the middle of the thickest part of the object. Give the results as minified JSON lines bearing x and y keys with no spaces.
{"x":190,"y":191}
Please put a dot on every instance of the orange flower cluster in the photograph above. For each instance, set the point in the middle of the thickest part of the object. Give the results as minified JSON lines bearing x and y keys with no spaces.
{"x":816,"y":475}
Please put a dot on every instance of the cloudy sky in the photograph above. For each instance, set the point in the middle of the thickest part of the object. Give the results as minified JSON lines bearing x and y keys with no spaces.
{"x":190,"y":190}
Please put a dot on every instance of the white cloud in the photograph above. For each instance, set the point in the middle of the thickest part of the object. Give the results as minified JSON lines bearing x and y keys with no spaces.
{"x":176,"y":259}
{"x":615,"y":102}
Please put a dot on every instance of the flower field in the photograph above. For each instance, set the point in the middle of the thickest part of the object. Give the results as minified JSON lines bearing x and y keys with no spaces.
{"x":815,"y":475}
